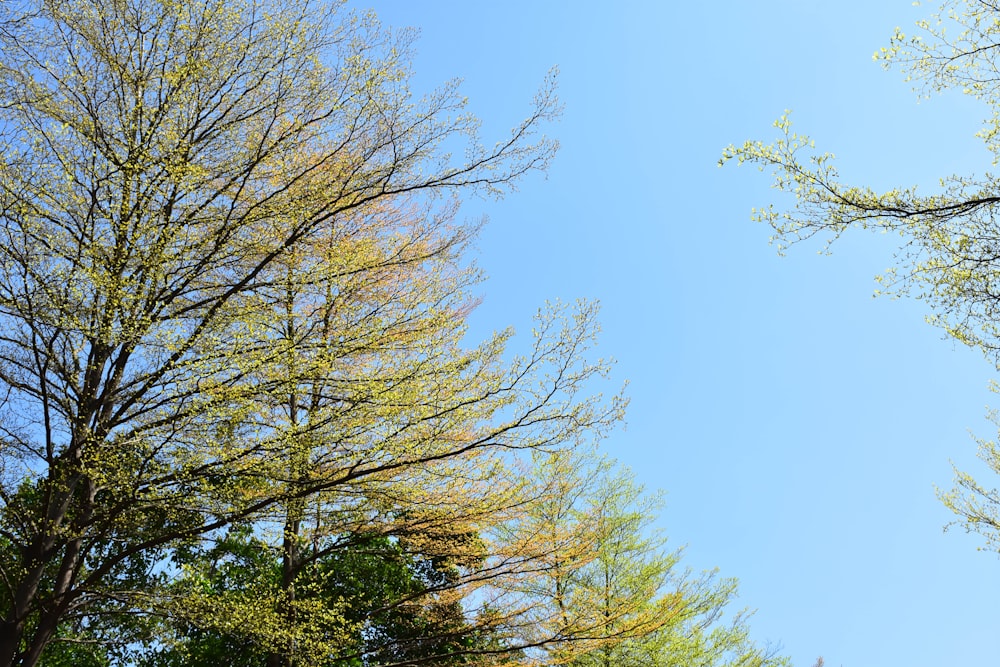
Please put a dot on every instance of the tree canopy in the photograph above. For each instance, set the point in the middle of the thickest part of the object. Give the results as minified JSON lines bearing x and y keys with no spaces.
{"x":240,"y":420}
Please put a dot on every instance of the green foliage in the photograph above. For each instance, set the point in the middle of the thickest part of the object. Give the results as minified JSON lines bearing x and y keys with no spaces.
{"x":386,"y":608}
{"x":609,"y":590}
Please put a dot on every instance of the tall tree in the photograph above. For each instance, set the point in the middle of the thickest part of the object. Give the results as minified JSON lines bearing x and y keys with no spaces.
{"x":606,"y":586}
{"x":210,"y":317}
{"x":950,"y":255}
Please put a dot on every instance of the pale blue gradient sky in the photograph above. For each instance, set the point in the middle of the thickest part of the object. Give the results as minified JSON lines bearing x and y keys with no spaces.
{"x":798,"y":426}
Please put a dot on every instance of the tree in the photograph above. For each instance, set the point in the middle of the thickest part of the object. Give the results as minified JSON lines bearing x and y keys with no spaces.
{"x":605,"y":585}
{"x":222,"y":225}
{"x":387,"y":610}
{"x":950,"y":255}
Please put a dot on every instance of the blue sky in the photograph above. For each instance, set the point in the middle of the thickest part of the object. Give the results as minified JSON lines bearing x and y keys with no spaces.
{"x":798,"y":425}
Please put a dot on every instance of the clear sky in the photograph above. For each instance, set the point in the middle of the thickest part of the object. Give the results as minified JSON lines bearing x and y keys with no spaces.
{"x":798,"y":425}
